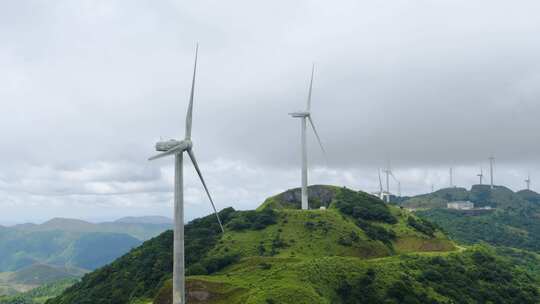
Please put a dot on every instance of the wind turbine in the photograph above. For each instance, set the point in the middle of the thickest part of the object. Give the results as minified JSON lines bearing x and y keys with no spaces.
{"x":381,"y":191}
{"x":177,"y":148}
{"x":528,"y":181}
{"x":305,"y":116}
{"x":388,"y":172}
{"x":491,"y":159}
{"x":397,"y":181}
{"x":481,"y":175}
{"x":451,"y":177}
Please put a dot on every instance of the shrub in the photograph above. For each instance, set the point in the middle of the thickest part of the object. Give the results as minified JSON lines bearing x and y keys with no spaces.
{"x":363,"y":206}
{"x":255,"y":220}
{"x":376,"y":232}
{"x":422,"y":226}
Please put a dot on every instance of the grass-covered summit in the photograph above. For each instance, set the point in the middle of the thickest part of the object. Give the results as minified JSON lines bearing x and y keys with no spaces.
{"x":358,"y":250}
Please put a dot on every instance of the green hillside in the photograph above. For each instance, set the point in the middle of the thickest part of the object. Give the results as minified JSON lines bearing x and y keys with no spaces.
{"x":82,"y":250}
{"x":359,"y":250}
{"x":39,"y":294}
{"x":12,"y":284}
{"x":481,"y":195}
{"x":515,"y":221}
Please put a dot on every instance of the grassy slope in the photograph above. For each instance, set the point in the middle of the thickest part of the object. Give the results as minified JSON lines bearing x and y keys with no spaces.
{"x":474,"y":276}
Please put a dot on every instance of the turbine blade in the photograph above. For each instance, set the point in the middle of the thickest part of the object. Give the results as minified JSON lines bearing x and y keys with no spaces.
{"x":171,"y":151}
{"x":194,"y":161}
{"x":318,"y":138}
{"x":310,"y":88}
{"x":190,"y":106}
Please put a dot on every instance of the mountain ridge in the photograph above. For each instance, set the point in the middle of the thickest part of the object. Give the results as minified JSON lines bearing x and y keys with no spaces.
{"x":264,"y":254}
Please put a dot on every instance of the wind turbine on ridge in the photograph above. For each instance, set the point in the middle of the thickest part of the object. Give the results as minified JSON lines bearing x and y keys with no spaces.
{"x":305,"y":116}
{"x":481,"y":175}
{"x":528,"y":181}
{"x":388,"y":172}
{"x":491,"y":160}
{"x":177,"y":148}
{"x":382,"y":193}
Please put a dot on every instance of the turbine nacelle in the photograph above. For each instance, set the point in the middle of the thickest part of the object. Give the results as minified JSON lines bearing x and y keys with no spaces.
{"x":163,"y":146}
{"x":300,"y":114}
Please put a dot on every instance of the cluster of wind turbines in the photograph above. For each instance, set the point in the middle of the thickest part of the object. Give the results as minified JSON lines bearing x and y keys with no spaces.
{"x":491,"y":176}
{"x":177,"y":148}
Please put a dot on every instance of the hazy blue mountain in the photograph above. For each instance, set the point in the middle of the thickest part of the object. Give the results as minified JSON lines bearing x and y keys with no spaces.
{"x":156,"y":220}
{"x":72,"y":242}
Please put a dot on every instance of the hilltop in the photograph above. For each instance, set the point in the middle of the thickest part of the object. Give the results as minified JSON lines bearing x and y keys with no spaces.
{"x":357,"y":250}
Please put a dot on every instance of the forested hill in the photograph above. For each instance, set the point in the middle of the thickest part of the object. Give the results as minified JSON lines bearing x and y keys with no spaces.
{"x":481,"y":195}
{"x":359,"y":250}
{"x":514,"y":221}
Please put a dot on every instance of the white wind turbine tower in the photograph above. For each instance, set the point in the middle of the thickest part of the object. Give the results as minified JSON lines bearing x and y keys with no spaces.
{"x":451,"y":177}
{"x":528,"y":181}
{"x":305,"y":116}
{"x":177,"y":148}
{"x":491,"y":160}
{"x":481,"y":175}
{"x":381,"y":191}
{"x":388,"y":172}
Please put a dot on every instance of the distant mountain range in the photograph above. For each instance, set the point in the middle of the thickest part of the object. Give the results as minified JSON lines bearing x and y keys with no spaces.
{"x":155,"y":220}
{"x":56,"y":248}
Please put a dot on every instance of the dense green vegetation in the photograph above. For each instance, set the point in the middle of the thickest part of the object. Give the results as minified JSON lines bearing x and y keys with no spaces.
{"x":517,"y":229}
{"x":476,"y":276}
{"x":362,"y":206}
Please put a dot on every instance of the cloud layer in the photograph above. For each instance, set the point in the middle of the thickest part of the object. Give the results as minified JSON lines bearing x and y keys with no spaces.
{"x":89,"y":86}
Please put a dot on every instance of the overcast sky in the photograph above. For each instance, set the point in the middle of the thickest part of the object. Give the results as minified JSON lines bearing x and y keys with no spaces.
{"x":89,"y":86}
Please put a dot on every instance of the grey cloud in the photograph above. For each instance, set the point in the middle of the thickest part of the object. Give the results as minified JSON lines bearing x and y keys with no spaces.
{"x":425,"y":85}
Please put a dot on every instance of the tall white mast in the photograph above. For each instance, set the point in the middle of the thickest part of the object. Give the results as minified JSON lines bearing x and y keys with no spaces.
{"x":491,"y":159}
{"x":451,"y":177}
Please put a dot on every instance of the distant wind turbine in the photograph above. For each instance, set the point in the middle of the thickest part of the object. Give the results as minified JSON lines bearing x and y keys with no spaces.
{"x":304,"y":117}
{"x":451,"y":177}
{"x":381,"y":191}
{"x":491,"y":160}
{"x":528,"y":181}
{"x":177,"y":148}
{"x":388,"y":172}
{"x":397,"y":181}
{"x":481,"y":175}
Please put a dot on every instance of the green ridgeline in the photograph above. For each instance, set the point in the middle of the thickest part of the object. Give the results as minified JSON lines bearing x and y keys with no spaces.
{"x":359,"y":250}
{"x":514,"y":221}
